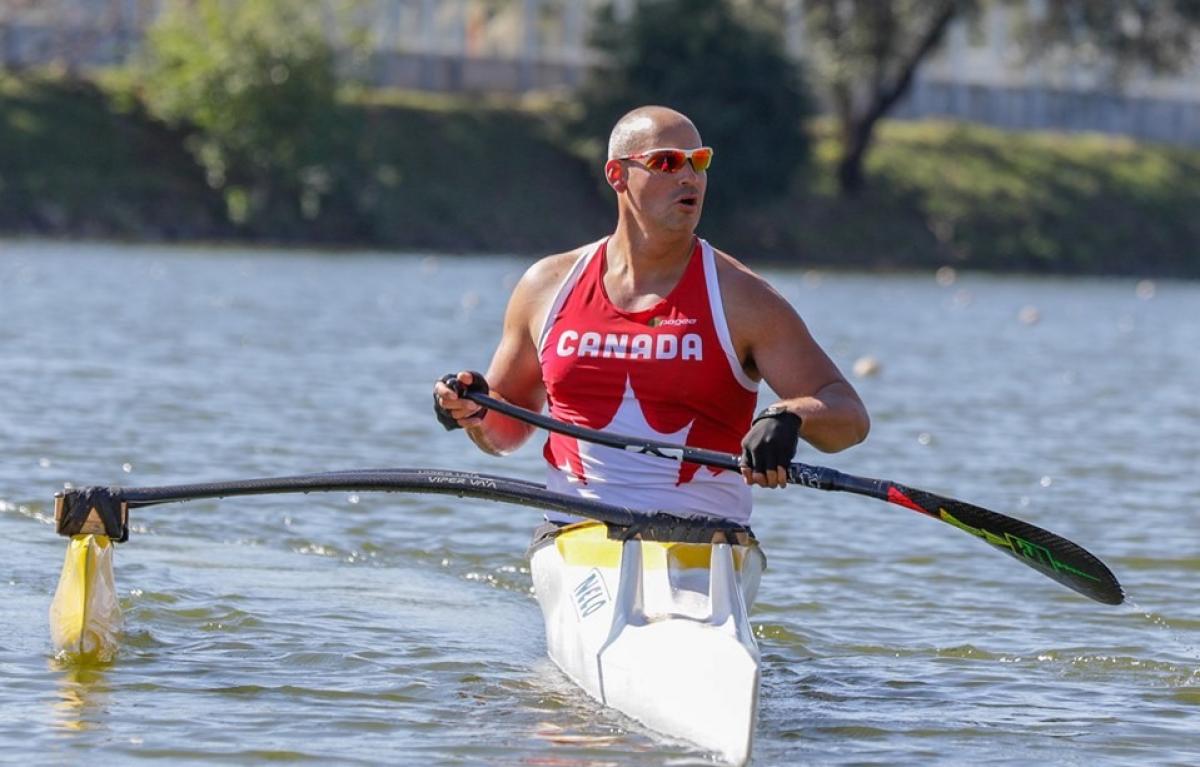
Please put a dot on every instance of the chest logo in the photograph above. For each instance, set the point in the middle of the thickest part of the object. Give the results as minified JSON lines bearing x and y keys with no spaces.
{"x":663,"y":321}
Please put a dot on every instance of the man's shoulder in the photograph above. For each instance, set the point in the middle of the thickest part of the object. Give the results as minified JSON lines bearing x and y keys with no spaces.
{"x":754,"y":309}
{"x":739,"y":283}
{"x":553,"y":268}
{"x":542,"y":279}
{"x":546,"y":274}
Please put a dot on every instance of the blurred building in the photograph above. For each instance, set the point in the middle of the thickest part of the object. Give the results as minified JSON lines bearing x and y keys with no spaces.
{"x":523,"y":45}
{"x":983,"y":75}
{"x":444,"y":45}
{"x":73,"y":34}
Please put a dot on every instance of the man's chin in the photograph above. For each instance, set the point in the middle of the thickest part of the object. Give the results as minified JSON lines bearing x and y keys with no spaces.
{"x":681,"y":227}
{"x":683,"y":218}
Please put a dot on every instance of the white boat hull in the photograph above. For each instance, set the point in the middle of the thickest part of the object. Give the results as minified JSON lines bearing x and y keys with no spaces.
{"x":656,"y":630}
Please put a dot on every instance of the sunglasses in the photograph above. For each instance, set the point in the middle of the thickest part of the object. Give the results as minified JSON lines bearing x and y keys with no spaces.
{"x":673,"y":160}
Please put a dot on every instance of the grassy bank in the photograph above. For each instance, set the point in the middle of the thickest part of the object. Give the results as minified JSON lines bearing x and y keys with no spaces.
{"x":1047,"y":202}
{"x":454,"y":175}
{"x":971,"y":196}
{"x":73,"y":164}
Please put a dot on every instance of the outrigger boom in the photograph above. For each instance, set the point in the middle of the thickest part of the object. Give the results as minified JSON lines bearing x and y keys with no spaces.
{"x":105,"y":510}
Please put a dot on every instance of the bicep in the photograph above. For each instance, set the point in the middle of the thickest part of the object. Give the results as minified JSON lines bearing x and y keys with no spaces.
{"x":515,"y":372}
{"x":785,"y":354}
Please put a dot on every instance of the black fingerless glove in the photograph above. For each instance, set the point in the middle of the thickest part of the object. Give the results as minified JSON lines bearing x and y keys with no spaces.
{"x":478,"y":385}
{"x":772,"y":439}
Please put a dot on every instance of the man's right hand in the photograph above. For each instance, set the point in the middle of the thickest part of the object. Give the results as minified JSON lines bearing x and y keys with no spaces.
{"x":452,"y":411}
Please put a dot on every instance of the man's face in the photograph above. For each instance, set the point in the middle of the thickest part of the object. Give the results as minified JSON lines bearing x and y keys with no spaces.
{"x":672,"y":201}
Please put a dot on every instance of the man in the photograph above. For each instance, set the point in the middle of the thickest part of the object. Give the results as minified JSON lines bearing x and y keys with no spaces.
{"x":654,"y":333}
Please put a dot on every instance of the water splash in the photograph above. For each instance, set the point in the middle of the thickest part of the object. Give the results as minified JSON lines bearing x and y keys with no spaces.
{"x":1176,"y":638}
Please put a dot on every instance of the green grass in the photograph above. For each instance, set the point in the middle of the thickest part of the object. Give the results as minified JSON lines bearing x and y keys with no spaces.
{"x":1046,"y":202}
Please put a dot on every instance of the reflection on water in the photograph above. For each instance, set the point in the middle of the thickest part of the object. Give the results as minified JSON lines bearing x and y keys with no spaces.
{"x":83,"y":695}
{"x":396,"y":629}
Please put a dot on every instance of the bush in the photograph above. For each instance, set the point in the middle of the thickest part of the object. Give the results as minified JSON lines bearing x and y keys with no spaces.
{"x":255,"y":81}
{"x":725,"y":70}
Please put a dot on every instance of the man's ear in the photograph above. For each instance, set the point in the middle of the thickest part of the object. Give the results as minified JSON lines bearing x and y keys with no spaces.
{"x":614,"y":173}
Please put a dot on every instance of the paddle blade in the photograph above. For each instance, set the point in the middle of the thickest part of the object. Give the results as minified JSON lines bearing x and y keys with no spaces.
{"x":1050,"y":554}
{"x":85,"y":617}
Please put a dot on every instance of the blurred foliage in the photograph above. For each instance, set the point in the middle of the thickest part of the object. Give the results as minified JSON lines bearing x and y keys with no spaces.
{"x":454,"y":174}
{"x":469,"y":174}
{"x":1116,"y":36}
{"x":430,"y":172}
{"x":721,"y":65}
{"x":256,"y":83}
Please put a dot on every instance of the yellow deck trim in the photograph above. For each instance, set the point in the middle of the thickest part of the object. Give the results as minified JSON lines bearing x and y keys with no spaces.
{"x":586,"y":544}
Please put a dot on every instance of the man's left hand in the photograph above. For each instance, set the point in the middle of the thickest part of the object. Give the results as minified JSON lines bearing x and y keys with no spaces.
{"x":769,"y":447}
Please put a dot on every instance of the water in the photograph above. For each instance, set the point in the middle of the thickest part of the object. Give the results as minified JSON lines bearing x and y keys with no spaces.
{"x":400,"y":629}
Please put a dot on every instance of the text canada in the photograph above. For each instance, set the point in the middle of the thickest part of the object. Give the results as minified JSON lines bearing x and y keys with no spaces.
{"x":638,"y":346}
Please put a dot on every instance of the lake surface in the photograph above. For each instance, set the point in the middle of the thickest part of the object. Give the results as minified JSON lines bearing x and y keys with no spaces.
{"x":399,"y":629}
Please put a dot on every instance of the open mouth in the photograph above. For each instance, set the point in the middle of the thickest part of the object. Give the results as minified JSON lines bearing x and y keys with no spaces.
{"x":688,"y":202}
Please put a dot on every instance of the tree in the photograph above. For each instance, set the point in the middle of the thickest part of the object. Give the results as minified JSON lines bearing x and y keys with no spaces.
{"x":867,"y":52}
{"x":255,"y":81}
{"x":723,"y":68}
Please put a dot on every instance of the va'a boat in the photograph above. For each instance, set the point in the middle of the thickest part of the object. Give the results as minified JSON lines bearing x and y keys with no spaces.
{"x":642,"y":618}
{"x":657,"y":630}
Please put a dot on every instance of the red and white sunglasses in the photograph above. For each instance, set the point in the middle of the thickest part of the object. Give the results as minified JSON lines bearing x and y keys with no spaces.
{"x":673,"y":160}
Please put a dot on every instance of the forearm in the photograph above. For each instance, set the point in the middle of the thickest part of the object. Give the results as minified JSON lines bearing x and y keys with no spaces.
{"x":493,"y":433}
{"x":498,"y":434}
{"x":833,"y":419}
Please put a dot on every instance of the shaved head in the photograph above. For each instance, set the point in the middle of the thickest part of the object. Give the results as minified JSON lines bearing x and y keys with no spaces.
{"x":650,"y":127}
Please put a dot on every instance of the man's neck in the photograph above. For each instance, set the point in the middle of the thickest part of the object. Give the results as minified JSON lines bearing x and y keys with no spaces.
{"x":644,"y":247}
{"x":643,"y":267}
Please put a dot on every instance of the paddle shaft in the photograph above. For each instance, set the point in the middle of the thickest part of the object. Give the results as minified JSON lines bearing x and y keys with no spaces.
{"x":817,"y":477}
{"x":1049,"y":553}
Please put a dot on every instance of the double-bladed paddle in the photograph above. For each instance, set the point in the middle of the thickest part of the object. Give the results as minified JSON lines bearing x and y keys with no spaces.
{"x":1048,"y":553}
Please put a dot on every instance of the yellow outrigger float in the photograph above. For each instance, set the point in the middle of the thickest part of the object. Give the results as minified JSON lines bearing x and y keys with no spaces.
{"x":85,"y":617}
{"x":85,"y":614}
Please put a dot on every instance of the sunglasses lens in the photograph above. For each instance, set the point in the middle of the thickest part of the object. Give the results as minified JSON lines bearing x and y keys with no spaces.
{"x":667,"y":160}
{"x":701,"y":159}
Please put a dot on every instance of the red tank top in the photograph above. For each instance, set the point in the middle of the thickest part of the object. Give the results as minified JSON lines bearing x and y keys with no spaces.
{"x":668,"y":372}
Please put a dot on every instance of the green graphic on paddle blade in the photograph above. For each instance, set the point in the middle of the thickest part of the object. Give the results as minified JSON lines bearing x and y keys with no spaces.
{"x":1055,"y":557}
{"x":1017,"y":546}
